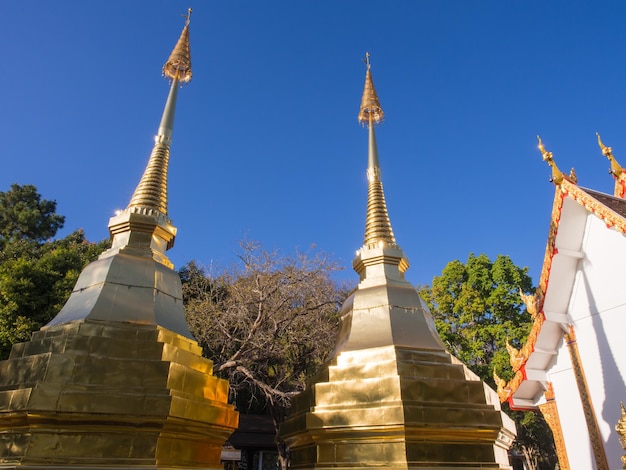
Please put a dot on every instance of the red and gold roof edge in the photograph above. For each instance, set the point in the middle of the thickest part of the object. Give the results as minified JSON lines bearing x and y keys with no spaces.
{"x":611,"y":218}
{"x":518,"y":360}
{"x":620,"y":185}
{"x":567,"y":187}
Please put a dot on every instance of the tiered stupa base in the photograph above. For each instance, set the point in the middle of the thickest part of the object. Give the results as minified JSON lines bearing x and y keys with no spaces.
{"x":108,"y":395}
{"x":397,"y":408}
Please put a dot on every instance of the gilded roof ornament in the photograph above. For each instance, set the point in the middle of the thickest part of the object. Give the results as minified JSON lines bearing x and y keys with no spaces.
{"x":516,"y":357}
{"x":557,"y":176}
{"x":616,"y":169}
{"x":501,"y":387}
{"x":370,"y":111}
{"x":531,"y":302}
{"x":178,"y":65}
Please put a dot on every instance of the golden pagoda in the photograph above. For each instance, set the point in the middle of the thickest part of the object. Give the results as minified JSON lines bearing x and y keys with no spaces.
{"x":392,"y":396}
{"x":116,"y":380}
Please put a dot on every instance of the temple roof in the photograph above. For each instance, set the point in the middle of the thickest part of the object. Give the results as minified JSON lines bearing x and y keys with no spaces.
{"x":549,"y":304}
{"x":613,"y":203}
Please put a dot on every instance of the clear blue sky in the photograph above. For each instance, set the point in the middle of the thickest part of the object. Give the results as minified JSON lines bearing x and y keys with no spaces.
{"x":266,"y":141}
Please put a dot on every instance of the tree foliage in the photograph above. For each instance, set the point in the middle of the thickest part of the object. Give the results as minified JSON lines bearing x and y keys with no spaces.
{"x":477,"y":308}
{"x":267,"y":323}
{"x":36,"y":276}
{"x":25,"y":216}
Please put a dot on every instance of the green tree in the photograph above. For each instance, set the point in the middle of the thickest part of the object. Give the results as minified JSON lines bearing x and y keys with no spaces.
{"x":25,"y":216}
{"x":477,"y":308}
{"x":36,"y":276}
{"x":267,"y":323}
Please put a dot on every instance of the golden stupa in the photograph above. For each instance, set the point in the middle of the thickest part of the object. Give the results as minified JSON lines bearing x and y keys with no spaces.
{"x":392,"y":396}
{"x":116,"y":380}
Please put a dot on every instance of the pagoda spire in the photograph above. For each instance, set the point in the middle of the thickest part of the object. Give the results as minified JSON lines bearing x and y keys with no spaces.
{"x":384,"y":398}
{"x":377,"y":225}
{"x":116,"y":380}
{"x":381,"y":263}
{"x":151,"y":193}
{"x":134,"y":281}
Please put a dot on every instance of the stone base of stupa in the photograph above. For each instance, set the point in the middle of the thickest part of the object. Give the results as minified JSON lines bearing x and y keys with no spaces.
{"x":397,"y":408}
{"x":110,"y":395}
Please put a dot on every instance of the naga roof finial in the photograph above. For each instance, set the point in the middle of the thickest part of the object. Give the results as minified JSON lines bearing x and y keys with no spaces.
{"x":557,"y":176}
{"x":616,"y":169}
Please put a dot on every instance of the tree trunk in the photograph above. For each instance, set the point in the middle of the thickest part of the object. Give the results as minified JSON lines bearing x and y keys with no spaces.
{"x":531,"y":459}
{"x":283,"y":454}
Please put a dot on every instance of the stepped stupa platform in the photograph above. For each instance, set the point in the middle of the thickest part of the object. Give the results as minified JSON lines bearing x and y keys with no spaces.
{"x":116,"y":380}
{"x":392,"y":396}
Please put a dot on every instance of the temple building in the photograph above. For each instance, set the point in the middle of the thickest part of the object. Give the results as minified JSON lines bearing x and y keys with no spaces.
{"x":116,"y":380}
{"x":392,"y":396}
{"x":572,"y":366}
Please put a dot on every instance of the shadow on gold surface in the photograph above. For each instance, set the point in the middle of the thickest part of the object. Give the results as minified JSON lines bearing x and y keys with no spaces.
{"x":105,"y":394}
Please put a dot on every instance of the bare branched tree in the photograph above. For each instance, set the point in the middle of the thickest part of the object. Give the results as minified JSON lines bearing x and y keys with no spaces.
{"x":268,"y":323}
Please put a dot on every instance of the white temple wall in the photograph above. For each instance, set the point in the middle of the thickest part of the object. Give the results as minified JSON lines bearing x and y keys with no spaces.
{"x":598,"y":311}
{"x":575,"y":433}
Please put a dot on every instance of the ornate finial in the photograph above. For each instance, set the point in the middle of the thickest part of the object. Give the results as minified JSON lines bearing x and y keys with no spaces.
{"x":501,"y":387}
{"x":557,"y":176}
{"x":151,"y":193}
{"x":499,"y":382}
{"x":378,"y":231}
{"x":370,"y":111}
{"x":530,"y":301}
{"x":606,"y":151}
{"x":178,"y":65}
{"x":516,"y":358}
{"x":572,"y":176}
{"x":616,"y":170}
{"x":367,"y":61}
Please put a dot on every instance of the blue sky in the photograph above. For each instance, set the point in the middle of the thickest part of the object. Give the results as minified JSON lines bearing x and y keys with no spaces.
{"x":266,"y":142}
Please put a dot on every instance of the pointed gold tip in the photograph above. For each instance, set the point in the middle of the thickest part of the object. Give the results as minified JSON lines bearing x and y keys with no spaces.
{"x":367,"y":61}
{"x":370,"y":111}
{"x":606,"y":151}
{"x":178,"y":65}
{"x":616,"y":169}
{"x":557,"y":176}
{"x":546,"y":155}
